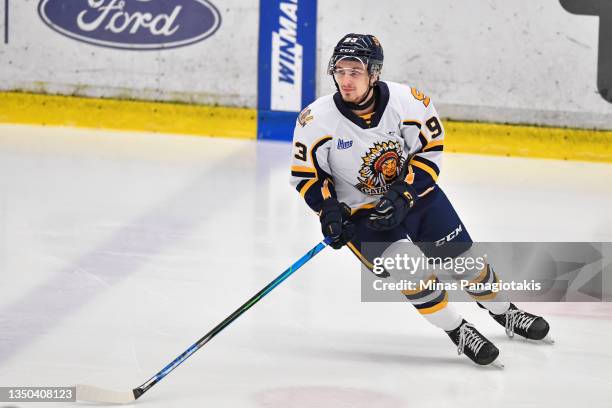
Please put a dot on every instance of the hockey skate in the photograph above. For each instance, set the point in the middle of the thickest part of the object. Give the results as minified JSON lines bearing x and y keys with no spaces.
{"x":473,"y":344}
{"x":517,"y":321}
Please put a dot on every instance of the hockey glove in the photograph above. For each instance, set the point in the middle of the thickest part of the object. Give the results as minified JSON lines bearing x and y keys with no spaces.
{"x":392,"y":207}
{"x":335,"y":224}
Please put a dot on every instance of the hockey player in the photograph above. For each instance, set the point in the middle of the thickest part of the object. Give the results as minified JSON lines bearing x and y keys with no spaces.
{"x":366,"y":159}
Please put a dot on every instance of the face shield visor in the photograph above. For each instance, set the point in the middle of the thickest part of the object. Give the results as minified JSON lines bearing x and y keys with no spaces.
{"x":372,"y":67}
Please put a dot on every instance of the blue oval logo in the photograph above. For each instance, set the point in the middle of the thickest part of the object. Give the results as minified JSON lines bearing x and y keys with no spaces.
{"x":132,"y":24}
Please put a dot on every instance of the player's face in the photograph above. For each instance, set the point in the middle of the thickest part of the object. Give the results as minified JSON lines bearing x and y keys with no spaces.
{"x":353,"y":80}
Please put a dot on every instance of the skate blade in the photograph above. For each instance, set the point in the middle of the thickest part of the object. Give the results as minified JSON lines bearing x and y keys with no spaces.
{"x":548,"y":340}
{"x":497,"y":364}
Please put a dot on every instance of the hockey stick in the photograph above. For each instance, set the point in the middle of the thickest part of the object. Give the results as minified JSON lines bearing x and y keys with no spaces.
{"x":95,"y":394}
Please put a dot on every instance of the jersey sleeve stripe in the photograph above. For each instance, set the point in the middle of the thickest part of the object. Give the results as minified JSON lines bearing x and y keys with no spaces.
{"x":319,"y":172}
{"x":426,"y":166}
{"x":423,"y":140}
{"x":313,"y":156}
{"x":303,"y":174}
{"x":435,"y":149}
{"x":303,"y":169}
{"x":432,"y":146}
{"x":301,"y":185}
{"x":411,"y":122}
{"x":421,"y":159}
{"x":307,"y":186}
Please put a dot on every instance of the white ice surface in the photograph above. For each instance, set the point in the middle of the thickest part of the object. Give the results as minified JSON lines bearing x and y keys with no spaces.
{"x":119,"y":250}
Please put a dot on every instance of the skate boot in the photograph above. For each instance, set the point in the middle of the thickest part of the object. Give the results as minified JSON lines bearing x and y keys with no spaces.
{"x":517,"y":321}
{"x":473,"y":344}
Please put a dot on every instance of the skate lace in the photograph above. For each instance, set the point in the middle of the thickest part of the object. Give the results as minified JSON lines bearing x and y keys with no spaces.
{"x":517,"y":319}
{"x":468,"y":338}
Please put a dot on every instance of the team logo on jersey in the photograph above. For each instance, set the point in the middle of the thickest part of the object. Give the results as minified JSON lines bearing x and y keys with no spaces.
{"x":382,"y":163}
{"x":344,"y":144}
{"x":304,"y":117}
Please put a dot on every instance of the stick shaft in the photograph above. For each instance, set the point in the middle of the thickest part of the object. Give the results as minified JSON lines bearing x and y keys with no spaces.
{"x":246,"y":306}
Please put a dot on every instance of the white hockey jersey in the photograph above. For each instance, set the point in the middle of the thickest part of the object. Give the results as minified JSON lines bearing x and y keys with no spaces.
{"x":337,"y":153}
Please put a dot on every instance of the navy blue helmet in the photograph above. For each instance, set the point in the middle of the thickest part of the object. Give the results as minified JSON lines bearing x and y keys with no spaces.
{"x":361,"y":47}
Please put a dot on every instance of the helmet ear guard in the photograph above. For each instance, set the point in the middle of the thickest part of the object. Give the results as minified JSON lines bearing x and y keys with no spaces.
{"x":375,"y":68}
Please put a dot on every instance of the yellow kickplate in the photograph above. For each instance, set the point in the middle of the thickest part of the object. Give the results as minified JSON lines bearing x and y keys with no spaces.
{"x":528,"y":141}
{"x":461,"y":137}
{"x":16,"y":107}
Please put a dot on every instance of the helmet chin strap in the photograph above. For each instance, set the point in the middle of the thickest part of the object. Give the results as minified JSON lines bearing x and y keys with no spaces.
{"x":361,"y":105}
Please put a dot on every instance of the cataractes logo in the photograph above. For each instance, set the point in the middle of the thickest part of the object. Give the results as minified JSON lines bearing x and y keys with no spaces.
{"x":381,"y":165}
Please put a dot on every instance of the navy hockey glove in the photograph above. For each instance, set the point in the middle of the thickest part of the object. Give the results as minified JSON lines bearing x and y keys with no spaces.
{"x":334,"y":222}
{"x":393,"y":207}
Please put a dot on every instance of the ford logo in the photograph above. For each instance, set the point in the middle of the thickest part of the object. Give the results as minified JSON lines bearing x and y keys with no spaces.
{"x":132,"y":24}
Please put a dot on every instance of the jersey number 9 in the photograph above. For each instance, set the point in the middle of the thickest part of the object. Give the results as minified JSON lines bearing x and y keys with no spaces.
{"x":433,"y":124}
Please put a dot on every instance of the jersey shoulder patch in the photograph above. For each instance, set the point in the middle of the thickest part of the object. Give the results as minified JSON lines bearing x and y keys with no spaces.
{"x":318,"y":111}
{"x":411,"y":103}
{"x":420,"y":96}
{"x":305,"y":116}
